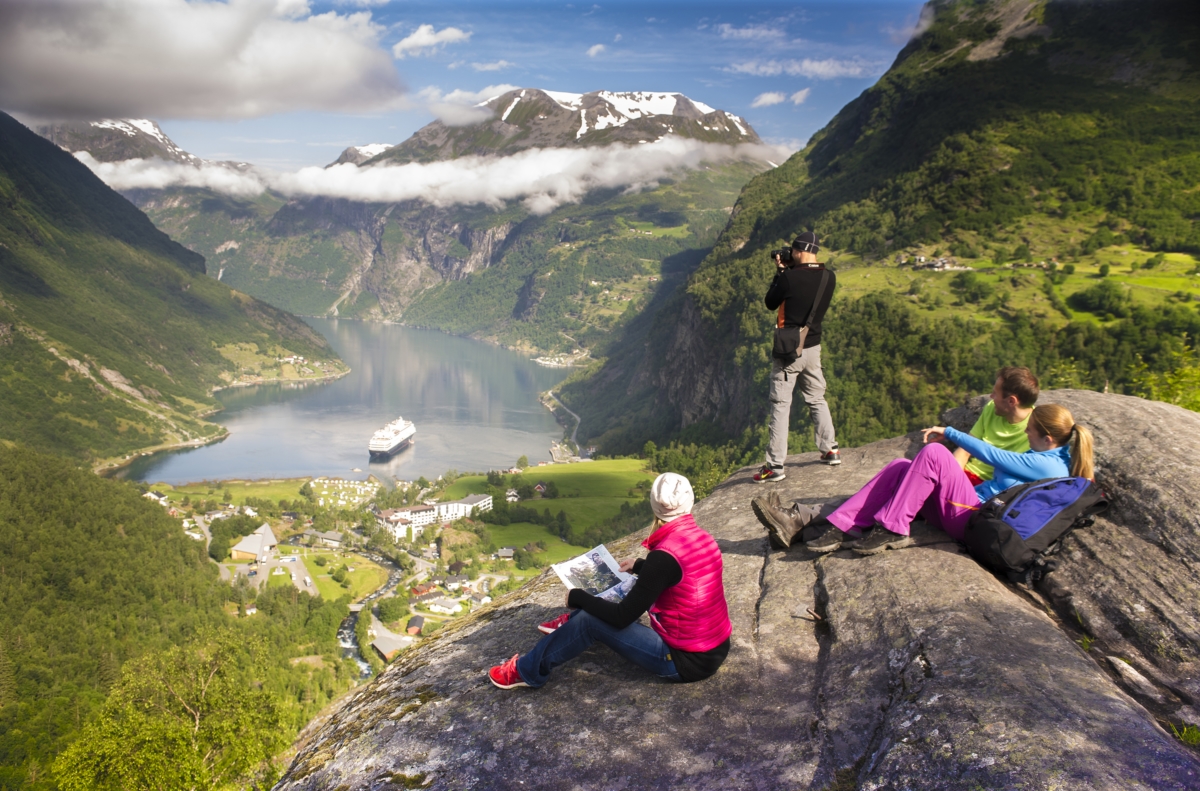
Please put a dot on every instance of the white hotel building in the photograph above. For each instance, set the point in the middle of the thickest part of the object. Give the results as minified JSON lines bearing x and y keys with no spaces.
{"x":400,"y":521}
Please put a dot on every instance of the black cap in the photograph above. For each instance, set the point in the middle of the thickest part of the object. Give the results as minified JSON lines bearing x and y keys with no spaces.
{"x":806,"y":242}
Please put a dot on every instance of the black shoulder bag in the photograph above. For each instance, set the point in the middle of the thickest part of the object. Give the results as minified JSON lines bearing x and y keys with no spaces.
{"x":789,"y":341}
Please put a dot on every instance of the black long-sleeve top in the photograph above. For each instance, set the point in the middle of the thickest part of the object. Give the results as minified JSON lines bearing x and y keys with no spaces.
{"x":798,"y":285}
{"x":656,"y":572}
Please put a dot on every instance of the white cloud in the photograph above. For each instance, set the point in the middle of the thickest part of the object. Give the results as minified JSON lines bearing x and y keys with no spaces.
{"x":751,"y":32}
{"x":769,"y":69}
{"x":459,"y":107}
{"x":768,"y":99}
{"x":595,"y":50}
{"x":800,"y":96}
{"x":542,"y":179}
{"x":496,"y":66}
{"x":616,"y":38}
{"x":426,"y":41}
{"x":157,"y":174}
{"x":178,"y":59}
{"x":908,"y":31}
{"x":827,"y":69}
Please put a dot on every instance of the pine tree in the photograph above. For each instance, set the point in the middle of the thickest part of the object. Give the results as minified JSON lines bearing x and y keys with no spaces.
{"x":8,"y":679}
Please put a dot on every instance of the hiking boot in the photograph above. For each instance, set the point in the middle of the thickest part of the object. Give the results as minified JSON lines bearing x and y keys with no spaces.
{"x":783,"y":524}
{"x":506,"y":676}
{"x":879,"y":539}
{"x":831,"y":457}
{"x":829,"y":540}
{"x":551,"y":626}
{"x":769,"y":473}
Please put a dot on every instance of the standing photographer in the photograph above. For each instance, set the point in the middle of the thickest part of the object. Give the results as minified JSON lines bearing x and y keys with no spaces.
{"x":800,"y":293}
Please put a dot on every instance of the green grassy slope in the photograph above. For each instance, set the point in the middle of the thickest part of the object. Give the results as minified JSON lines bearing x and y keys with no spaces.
{"x":111,"y":334}
{"x":1074,"y":145}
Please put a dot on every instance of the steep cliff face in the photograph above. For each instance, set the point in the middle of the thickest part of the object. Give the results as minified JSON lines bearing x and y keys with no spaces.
{"x":909,"y":669}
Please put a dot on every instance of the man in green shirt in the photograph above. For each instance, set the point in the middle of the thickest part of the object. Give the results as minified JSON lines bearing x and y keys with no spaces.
{"x":1003,"y":420}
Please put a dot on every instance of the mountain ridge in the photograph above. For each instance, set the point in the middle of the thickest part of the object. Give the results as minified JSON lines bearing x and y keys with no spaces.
{"x":109,"y":320}
{"x":409,"y":261}
{"x":535,"y":118}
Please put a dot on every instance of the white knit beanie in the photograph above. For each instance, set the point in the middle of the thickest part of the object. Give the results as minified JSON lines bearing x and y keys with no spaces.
{"x":671,"y":496}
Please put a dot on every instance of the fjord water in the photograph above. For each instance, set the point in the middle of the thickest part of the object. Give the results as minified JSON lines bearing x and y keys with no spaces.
{"x":475,"y":407}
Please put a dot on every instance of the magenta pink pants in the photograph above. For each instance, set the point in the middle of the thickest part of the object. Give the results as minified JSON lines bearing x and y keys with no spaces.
{"x":932,"y":485}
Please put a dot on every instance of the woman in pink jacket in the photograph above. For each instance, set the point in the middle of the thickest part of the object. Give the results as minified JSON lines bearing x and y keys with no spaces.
{"x":679,"y":585}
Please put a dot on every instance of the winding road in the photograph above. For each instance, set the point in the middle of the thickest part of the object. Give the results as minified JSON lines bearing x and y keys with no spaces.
{"x":572,"y":414}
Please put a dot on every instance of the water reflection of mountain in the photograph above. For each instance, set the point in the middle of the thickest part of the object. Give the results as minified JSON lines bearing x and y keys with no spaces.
{"x":475,"y":407}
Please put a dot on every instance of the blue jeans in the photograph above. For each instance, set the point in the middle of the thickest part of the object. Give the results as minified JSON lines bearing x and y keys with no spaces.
{"x":639,"y":644}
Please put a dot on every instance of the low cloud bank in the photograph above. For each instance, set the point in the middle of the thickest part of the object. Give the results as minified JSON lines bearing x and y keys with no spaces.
{"x":159,"y":174}
{"x":542,"y":179}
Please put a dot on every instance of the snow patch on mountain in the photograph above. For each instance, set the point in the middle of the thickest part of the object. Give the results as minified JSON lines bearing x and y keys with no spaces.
{"x":372,"y":149}
{"x":638,"y":105}
{"x":568,"y":101}
{"x":144,"y":126}
{"x":511,"y":106}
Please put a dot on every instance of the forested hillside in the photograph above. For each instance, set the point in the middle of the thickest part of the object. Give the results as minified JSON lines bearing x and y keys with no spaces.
{"x":112,"y":337}
{"x":93,"y":577}
{"x":1047,"y":147}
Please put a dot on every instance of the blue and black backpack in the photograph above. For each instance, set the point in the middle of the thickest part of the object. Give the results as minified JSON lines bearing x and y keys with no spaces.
{"x":1014,"y":532}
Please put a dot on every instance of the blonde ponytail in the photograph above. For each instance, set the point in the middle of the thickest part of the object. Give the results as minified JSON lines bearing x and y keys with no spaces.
{"x":1055,"y":421}
{"x":1082,"y":463}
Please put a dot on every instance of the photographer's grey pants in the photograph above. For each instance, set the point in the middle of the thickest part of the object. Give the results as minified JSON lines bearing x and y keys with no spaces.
{"x":807,"y":371}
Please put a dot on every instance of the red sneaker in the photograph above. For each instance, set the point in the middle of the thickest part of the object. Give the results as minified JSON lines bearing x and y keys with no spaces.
{"x":506,"y":676}
{"x":769,"y":473}
{"x":551,"y":626}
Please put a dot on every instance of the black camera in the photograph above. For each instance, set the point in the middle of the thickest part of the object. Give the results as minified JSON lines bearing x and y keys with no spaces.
{"x":784,"y":255}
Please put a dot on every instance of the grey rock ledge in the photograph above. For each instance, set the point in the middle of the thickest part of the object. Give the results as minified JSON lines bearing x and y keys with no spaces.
{"x":925,"y":672}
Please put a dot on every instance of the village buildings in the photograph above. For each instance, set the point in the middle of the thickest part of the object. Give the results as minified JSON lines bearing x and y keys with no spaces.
{"x":408,"y":522}
{"x":257,"y":546}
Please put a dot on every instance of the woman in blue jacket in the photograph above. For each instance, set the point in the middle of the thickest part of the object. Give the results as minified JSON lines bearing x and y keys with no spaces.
{"x":934,"y":486}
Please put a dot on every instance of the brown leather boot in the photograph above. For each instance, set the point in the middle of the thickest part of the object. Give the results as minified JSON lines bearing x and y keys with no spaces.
{"x":783,"y":524}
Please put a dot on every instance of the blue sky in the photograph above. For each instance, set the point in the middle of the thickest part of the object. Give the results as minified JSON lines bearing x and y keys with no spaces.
{"x":290,"y":83}
{"x":721,"y":54}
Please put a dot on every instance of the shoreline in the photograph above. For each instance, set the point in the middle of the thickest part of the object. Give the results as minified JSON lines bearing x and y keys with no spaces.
{"x":108,"y":467}
{"x":305,"y":380}
{"x":112,"y":468}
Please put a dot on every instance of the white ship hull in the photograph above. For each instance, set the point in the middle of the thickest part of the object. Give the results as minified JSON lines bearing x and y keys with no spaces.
{"x":392,"y":438}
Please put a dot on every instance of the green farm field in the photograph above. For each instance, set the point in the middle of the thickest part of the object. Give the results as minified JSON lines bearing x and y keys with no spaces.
{"x":590,"y":492}
{"x":1021,"y":289}
{"x":267,"y":489}
{"x":518,"y":534}
{"x":365,"y":578}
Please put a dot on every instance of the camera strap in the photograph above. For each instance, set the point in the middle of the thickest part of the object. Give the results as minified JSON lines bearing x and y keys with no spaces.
{"x":817,"y":297}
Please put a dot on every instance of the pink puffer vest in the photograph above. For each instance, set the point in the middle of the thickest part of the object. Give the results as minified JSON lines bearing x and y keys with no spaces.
{"x":692,"y":615}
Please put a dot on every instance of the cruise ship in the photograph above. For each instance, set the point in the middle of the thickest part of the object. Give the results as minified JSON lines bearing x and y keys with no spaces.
{"x":391,"y":438}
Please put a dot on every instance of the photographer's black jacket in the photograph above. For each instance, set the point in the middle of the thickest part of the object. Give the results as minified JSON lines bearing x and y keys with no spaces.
{"x":798,"y":286}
